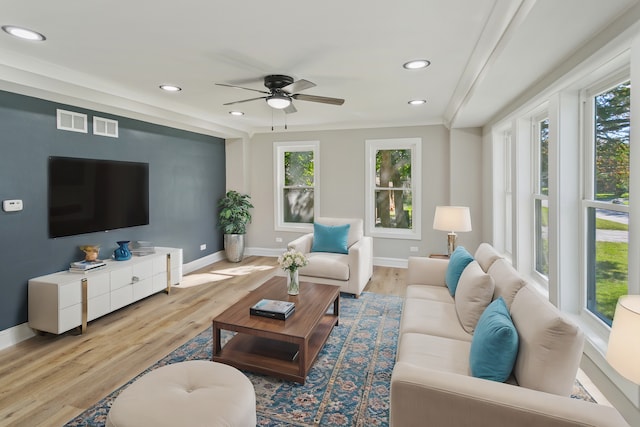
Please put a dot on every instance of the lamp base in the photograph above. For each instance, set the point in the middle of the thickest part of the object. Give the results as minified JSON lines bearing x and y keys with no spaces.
{"x":451,"y":243}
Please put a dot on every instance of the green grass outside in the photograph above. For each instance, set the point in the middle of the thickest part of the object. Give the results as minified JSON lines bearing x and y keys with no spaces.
{"x":611,"y":269}
{"x":605,"y":224}
{"x":611,"y":266}
{"x":611,"y":275}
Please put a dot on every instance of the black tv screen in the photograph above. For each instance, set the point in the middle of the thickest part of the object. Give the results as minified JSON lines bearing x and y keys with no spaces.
{"x":88,"y":195}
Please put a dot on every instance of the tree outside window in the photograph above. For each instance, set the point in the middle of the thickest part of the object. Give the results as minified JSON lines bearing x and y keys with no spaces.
{"x":541,"y":201}
{"x":393,"y":189}
{"x":298,"y":191}
{"x":393,"y":193}
{"x":296,"y":185}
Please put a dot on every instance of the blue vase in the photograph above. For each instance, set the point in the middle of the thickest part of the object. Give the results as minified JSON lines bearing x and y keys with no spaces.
{"x":122,"y":253}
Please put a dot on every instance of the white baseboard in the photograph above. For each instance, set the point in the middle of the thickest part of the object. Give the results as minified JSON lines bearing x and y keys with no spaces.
{"x":202,"y":262}
{"x":13,"y":336}
{"x":272,"y":252}
{"x":390,"y":262}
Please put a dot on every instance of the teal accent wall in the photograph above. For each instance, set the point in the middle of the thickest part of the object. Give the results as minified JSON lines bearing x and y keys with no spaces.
{"x":186,"y":178}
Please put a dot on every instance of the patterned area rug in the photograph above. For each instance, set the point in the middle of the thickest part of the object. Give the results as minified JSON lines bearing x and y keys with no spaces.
{"x":347,"y":386}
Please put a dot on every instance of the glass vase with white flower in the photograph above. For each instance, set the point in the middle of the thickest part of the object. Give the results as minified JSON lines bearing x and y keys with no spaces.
{"x":291,"y":261}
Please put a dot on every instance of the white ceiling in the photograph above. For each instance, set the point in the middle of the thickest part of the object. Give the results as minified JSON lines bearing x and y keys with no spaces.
{"x":112,"y":55}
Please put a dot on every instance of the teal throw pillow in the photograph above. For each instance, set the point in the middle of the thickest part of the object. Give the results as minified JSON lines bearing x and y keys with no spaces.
{"x":494,"y":345}
{"x":458,"y":261}
{"x":330,"y":238}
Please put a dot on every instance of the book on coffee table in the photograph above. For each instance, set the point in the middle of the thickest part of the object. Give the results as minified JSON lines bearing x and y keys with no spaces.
{"x":273,"y":308}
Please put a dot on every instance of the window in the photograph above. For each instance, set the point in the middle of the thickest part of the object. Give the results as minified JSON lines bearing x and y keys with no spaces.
{"x":393,"y":193}
{"x":541,"y":196}
{"x":606,"y":196}
{"x":297,"y":195}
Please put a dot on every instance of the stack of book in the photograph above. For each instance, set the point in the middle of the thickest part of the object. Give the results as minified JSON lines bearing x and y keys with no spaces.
{"x":86,"y":266}
{"x":273,"y":308}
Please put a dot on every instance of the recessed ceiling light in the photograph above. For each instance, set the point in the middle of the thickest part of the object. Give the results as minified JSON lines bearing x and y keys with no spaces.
{"x":417,"y":102}
{"x":236,"y":113}
{"x":416,"y":64}
{"x":23,"y":33}
{"x":170,"y":88}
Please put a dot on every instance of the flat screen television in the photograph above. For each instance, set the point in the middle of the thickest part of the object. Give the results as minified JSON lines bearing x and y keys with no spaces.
{"x":89,"y":195}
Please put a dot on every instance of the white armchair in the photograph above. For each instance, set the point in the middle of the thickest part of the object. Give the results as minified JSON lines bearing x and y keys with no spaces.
{"x":350,"y":271}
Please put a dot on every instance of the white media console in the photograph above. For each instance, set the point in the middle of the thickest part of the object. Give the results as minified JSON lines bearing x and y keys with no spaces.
{"x":62,"y":301}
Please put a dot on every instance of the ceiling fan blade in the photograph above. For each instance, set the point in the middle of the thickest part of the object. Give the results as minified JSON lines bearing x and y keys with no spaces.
{"x":240,"y":87}
{"x":321,"y":99}
{"x":290,"y":109}
{"x":244,"y":100}
{"x":298,"y":86}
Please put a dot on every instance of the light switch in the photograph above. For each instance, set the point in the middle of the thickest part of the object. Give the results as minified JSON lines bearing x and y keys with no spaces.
{"x":12,"y":205}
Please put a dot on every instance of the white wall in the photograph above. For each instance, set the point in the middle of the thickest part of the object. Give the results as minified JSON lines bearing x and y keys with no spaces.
{"x":342,"y":181}
{"x":466,"y":156}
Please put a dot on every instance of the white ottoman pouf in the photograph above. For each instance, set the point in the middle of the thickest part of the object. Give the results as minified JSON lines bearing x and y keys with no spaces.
{"x":196,"y":393}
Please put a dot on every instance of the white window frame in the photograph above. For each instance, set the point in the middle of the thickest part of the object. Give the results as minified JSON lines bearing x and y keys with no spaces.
{"x":371,"y":147}
{"x":279,"y":148}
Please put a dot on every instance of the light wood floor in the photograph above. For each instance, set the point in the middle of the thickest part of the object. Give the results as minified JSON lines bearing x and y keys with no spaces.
{"x":48,"y":380}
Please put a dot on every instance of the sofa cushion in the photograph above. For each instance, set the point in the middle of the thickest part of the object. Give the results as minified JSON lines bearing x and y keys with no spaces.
{"x":433,"y":318}
{"x":437,"y":353}
{"x":549,"y":343}
{"x":494,"y":346}
{"x":431,"y":292}
{"x":486,"y":255}
{"x":473,"y":294}
{"x":330,"y":238}
{"x":459,"y":259}
{"x":327,"y":265}
{"x":508,"y":281}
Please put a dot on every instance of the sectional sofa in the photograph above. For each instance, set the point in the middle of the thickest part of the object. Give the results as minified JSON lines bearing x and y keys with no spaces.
{"x":452,"y":369}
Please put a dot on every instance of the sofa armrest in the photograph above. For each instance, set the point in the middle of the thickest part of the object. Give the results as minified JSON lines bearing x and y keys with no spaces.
{"x":424,"y":397}
{"x":302,"y":244}
{"x":427,"y":271}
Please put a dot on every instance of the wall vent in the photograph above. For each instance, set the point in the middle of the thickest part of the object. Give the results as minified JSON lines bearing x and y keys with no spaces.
{"x":105,"y":127}
{"x":71,"y":121}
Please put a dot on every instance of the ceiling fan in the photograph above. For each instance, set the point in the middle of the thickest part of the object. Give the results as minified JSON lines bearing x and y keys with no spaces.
{"x":282,"y":91}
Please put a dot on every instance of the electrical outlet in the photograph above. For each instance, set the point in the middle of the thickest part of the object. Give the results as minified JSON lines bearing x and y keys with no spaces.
{"x":413,"y":249}
{"x":203,"y":246}
{"x":278,"y":239}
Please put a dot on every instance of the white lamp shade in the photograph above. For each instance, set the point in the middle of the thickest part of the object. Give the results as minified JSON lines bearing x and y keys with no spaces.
{"x":452,"y":218}
{"x":278,"y":101}
{"x":623,"y":352}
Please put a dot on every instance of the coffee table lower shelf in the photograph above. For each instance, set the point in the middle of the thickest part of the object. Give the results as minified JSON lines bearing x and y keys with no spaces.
{"x":278,"y":358}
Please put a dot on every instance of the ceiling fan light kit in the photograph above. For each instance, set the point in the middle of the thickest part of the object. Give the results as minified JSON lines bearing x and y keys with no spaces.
{"x":278,"y":101}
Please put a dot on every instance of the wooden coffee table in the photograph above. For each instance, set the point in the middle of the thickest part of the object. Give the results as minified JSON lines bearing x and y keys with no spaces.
{"x":281,"y":348}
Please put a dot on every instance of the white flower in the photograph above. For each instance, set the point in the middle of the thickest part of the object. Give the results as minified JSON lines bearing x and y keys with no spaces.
{"x":292,"y":260}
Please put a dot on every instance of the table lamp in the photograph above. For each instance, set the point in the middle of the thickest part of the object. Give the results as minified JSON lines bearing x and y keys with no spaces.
{"x":623,"y":352}
{"x":452,"y":219}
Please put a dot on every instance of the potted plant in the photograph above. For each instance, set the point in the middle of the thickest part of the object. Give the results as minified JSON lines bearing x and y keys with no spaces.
{"x":233,"y":218}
